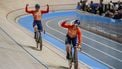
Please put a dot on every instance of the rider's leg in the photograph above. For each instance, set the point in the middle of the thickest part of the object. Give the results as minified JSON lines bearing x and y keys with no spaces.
{"x":74,"y":42}
{"x":69,"y":55}
{"x":68,"y":50}
{"x":35,"y":30}
{"x":68,"y":47}
{"x":39,"y":25}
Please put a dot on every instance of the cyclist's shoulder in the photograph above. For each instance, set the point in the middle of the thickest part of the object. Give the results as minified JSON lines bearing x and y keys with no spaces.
{"x":70,"y":26}
{"x":79,"y":29}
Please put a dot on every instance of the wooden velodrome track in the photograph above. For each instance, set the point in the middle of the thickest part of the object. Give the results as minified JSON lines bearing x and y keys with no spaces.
{"x":17,"y":46}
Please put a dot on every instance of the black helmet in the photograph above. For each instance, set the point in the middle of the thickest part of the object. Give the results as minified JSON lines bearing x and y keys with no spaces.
{"x":77,"y":22}
{"x":37,"y":6}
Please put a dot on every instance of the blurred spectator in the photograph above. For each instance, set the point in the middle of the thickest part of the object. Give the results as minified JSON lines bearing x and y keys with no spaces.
{"x":84,"y":5}
{"x":111,"y":6}
{"x":81,"y":1}
{"x":119,"y":5}
{"x":78,"y":6}
{"x":111,"y":10}
{"x":118,"y":14}
{"x":106,"y":7}
{"x":93,"y":7}
{"x":109,"y":14}
{"x":100,"y":8}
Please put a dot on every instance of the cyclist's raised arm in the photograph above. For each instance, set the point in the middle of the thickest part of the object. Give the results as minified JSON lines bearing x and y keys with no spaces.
{"x":27,"y":10}
{"x":79,"y":36}
{"x":65,"y":25}
{"x":45,"y":11}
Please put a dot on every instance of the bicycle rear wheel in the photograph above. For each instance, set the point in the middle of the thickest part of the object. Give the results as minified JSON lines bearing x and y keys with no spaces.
{"x":37,"y":38}
{"x":40,"y":41}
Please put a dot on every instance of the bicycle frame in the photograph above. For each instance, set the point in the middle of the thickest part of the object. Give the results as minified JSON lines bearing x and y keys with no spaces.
{"x":74,"y":58}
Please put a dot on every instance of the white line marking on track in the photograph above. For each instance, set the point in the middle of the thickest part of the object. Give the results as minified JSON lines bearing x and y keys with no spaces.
{"x":84,"y":43}
{"x":95,"y":40}
{"x":64,"y":51}
{"x":62,"y":41}
{"x":101,"y":36}
{"x":84,"y":53}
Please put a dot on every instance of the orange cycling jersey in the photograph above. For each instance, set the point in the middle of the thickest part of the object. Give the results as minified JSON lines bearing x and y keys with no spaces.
{"x":72,"y":32}
{"x":37,"y":14}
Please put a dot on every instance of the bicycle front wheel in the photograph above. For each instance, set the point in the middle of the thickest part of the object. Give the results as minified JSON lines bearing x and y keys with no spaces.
{"x":75,"y":58}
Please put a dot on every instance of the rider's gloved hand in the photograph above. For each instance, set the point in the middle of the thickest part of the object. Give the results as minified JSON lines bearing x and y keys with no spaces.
{"x":79,"y":46}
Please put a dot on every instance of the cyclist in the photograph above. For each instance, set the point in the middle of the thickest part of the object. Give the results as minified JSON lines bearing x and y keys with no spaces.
{"x":37,"y":15}
{"x":72,"y":35}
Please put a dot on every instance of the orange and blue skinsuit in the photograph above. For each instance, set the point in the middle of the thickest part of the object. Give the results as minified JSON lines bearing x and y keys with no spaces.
{"x":72,"y":34}
{"x":37,"y":16}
